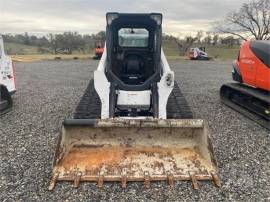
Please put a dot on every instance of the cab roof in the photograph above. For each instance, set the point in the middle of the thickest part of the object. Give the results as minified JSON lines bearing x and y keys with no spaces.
{"x":134,"y":18}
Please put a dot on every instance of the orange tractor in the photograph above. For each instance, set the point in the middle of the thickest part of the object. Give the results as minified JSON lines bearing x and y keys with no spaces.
{"x":99,"y":48}
{"x":251,"y":95}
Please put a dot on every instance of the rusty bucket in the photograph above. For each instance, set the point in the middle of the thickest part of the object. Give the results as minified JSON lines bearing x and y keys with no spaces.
{"x":128,"y":150}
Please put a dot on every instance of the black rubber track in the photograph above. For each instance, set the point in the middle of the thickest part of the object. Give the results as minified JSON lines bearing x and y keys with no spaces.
{"x":245,"y":90}
{"x":177,"y":106}
{"x":89,"y":106}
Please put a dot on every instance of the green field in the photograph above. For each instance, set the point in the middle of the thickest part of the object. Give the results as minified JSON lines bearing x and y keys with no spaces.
{"x":220,"y":52}
{"x":20,"y":49}
{"x":223,"y":52}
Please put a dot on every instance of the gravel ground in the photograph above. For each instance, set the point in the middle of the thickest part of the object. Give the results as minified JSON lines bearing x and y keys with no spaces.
{"x":48,"y":93}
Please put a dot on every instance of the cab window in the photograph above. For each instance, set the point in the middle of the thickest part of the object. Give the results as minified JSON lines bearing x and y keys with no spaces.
{"x":131,"y":37}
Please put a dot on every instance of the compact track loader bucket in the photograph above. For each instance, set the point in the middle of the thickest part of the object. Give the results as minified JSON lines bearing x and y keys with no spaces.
{"x":127,"y":150}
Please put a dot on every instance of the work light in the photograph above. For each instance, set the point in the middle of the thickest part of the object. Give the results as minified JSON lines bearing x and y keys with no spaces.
{"x":110,"y":17}
{"x":157,"y":17}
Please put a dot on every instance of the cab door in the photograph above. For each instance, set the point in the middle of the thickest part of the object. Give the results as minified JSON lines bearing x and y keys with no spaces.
{"x":261,"y":53}
{"x":263,"y":77}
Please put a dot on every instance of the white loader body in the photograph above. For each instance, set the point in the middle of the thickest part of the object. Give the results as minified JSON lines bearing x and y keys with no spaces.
{"x":102,"y":86}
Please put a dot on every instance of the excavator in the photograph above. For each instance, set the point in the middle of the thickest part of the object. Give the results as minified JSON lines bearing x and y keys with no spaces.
{"x":133,"y":123}
{"x":99,"y":48}
{"x":250,"y":95}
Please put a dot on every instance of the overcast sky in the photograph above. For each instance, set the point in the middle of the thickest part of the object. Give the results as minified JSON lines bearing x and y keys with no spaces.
{"x":88,"y":16}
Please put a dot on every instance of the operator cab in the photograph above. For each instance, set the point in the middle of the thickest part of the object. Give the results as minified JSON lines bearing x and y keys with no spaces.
{"x":133,"y":48}
{"x":132,"y":62}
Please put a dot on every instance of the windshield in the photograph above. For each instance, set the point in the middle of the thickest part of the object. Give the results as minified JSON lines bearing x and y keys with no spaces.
{"x":129,"y":37}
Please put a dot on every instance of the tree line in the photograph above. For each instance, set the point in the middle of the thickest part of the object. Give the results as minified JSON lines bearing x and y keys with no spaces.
{"x":65,"y":43}
{"x":201,"y":39}
{"x":68,"y":42}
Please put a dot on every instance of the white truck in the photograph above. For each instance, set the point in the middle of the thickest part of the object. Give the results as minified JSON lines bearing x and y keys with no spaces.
{"x":7,"y":80}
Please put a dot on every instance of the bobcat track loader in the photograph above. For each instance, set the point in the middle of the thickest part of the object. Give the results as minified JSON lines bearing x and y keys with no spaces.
{"x":133,"y":123}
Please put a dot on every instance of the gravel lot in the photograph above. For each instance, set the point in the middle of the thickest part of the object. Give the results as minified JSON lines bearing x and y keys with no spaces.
{"x":48,"y":92}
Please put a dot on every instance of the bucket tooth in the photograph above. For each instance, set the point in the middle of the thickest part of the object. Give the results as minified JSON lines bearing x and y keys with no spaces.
{"x":124,"y":179}
{"x":100,"y":181}
{"x":194,"y":181}
{"x":146,"y":179}
{"x":53,"y":181}
{"x":77,"y":179}
{"x":170,"y":180}
{"x":216,"y":179}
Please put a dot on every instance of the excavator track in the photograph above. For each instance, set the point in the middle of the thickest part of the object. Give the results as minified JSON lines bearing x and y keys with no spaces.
{"x":251,"y":102}
{"x":89,"y":106}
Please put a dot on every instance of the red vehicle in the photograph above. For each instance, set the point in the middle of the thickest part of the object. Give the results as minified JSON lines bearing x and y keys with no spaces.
{"x":251,"y":95}
{"x":197,"y":54}
{"x":99,"y":48}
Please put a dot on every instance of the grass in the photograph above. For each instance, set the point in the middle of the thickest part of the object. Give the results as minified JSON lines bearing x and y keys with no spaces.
{"x":223,"y":52}
{"x":26,"y":53}
{"x":220,"y":52}
{"x":32,"y":58}
{"x":20,"y":49}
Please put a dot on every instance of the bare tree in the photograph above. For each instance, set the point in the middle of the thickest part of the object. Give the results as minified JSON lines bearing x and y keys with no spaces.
{"x":101,"y":35}
{"x":53,"y":43}
{"x":199,"y":36}
{"x":184,"y":45}
{"x":229,"y":41}
{"x":215,"y":39}
{"x":208,"y":38}
{"x":251,"y":20}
